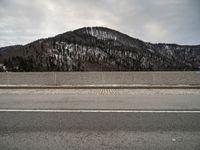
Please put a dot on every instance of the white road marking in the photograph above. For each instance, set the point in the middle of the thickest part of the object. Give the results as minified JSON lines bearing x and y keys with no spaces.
{"x":99,"y":111}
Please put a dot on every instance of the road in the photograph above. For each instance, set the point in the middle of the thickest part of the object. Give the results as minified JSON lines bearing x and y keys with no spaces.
{"x":100,"y":119}
{"x":101,"y":99}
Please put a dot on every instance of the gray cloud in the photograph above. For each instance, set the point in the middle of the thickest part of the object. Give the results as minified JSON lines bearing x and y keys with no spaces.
{"x":174,"y":21}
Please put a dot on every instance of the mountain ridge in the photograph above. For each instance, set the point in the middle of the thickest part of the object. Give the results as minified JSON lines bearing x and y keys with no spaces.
{"x":100,"y":49}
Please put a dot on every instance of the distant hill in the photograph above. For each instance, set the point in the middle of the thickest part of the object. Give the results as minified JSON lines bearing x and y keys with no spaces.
{"x":99,"y":49}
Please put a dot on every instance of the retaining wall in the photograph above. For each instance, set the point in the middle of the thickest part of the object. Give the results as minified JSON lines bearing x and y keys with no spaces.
{"x":100,"y":78}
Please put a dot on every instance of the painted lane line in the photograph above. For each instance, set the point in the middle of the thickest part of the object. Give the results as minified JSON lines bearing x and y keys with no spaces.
{"x":100,"y":111}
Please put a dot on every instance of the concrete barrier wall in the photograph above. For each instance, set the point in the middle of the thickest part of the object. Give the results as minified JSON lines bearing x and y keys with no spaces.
{"x":100,"y":78}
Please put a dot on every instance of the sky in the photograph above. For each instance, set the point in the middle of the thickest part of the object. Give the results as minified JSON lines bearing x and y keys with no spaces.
{"x":156,"y":21}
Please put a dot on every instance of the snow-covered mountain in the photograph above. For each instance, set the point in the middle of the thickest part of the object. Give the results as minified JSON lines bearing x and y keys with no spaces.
{"x":99,"y":49}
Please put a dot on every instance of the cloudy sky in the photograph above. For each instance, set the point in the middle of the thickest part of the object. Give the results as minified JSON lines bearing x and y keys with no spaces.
{"x":172,"y":21}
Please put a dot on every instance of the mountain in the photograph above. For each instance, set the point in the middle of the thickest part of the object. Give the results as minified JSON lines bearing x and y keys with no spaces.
{"x":99,"y":49}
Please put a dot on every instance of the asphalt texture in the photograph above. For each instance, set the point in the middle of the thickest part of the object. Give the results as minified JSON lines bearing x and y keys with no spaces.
{"x":100,"y":130}
{"x":101,"y":99}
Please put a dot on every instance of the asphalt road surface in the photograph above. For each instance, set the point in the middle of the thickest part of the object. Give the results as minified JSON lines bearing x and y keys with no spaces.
{"x":101,"y":99}
{"x":100,"y":119}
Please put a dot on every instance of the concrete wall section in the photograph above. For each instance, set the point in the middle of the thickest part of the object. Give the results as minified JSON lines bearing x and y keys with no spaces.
{"x":176,"y":78}
{"x":100,"y":78}
{"x":27,"y":78}
{"x":3,"y":78}
{"x":79,"y":78}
